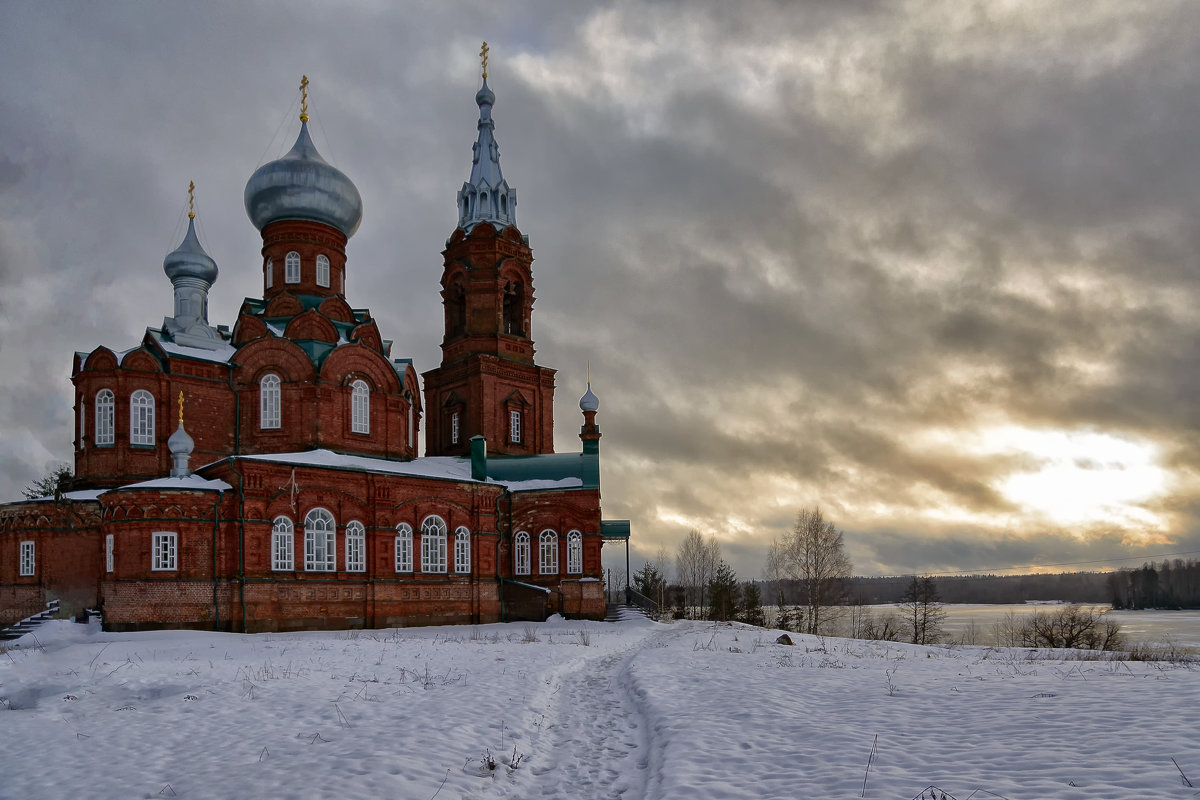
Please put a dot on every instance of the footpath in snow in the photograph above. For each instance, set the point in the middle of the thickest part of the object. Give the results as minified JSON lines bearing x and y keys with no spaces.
{"x":583,"y":710}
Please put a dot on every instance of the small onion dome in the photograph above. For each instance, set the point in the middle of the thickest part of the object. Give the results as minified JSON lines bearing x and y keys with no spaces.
{"x":302,"y":185}
{"x":485,"y":96}
{"x":180,"y":443}
{"x":589,"y":401}
{"x":189,"y":259}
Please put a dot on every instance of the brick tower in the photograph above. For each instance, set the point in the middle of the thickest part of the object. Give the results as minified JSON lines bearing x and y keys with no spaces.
{"x":488,"y":383}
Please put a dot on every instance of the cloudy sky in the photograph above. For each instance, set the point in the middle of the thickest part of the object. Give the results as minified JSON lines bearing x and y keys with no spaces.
{"x":932,"y":265}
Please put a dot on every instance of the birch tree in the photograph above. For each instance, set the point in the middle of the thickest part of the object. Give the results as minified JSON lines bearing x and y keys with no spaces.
{"x":813,"y":554}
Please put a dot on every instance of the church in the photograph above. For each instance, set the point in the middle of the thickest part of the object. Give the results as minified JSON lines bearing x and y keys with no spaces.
{"x":266,"y":476}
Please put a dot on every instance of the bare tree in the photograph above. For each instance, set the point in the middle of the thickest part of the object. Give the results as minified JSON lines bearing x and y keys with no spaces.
{"x":921,"y":609}
{"x":695,"y":563}
{"x":815,"y":555}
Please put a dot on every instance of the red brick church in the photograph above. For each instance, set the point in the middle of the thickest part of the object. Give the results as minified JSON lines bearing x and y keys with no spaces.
{"x":267,"y":477}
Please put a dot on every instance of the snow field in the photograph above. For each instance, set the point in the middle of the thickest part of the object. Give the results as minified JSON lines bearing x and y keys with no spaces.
{"x":594,"y":710}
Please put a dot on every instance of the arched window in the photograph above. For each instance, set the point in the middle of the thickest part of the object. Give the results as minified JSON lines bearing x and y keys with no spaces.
{"x":270,"y":273}
{"x":291,"y":268}
{"x":109,"y":555}
{"x":141,"y":418}
{"x":268,"y":402}
{"x":104,"y":417}
{"x":322,"y":271}
{"x":521,"y":553}
{"x":462,"y":550}
{"x":320,"y":551}
{"x":283,"y":545}
{"x":433,"y":544}
{"x":574,"y":552}
{"x":514,"y":308}
{"x":356,"y":547}
{"x":404,"y":547}
{"x":454,"y":431}
{"x":412,"y":427}
{"x":360,"y":407}
{"x":82,"y":422}
{"x":548,"y":553}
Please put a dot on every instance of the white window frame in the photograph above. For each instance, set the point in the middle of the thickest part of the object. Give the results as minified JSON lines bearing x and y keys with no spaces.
{"x":106,"y":412}
{"x":291,"y":267}
{"x":514,"y":426}
{"x":323,"y":270}
{"x":433,"y":544}
{"x":320,"y":541}
{"x":164,"y":551}
{"x":356,"y":547}
{"x":270,"y":415}
{"x":462,"y":550}
{"x":270,"y":273}
{"x":360,"y":406}
{"x":454,"y":427}
{"x":548,"y":553}
{"x":574,"y":553}
{"x":28,"y":559}
{"x":141,"y":418}
{"x":404,"y":547}
{"x":283,"y":544}
{"x":521,"y":553}
{"x":109,"y":553}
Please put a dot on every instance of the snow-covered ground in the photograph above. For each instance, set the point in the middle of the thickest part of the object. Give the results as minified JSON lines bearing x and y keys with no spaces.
{"x":592,"y":710}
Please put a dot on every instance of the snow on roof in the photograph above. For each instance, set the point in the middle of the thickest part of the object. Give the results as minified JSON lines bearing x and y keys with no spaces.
{"x":187,"y":482}
{"x":440,"y":467}
{"x":222,"y":353}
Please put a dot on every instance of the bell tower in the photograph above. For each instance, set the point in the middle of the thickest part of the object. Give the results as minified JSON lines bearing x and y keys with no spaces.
{"x":488,"y":383}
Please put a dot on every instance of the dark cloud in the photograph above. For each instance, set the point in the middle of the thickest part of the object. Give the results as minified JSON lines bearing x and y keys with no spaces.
{"x":813,"y":251}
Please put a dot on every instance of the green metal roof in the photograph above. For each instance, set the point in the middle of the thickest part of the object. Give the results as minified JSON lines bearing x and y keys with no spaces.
{"x":547,"y":467}
{"x":615,"y":529}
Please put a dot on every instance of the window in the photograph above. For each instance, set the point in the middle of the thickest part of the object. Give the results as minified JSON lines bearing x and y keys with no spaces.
{"x":433,"y":545}
{"x":453,"y":427}
{"x":360,"y":407}
{"x":404,"y":548}
{"x":163,"y":556}
{"x":548,"y":553}
{"x":283,"y":545}
{"x":322,"y":271}
{"x":270,"y":273}
{"x":82,"y":421}
{"x":521,"y":553}
{"x":356,"y":547}
{"x":462,"y":550}
{"x":268,"y":402}
{"x":104,"y":417}
{"x":141,"y":418}
{"x":411,"y":427}
{"x":514,"y":426}
{"x":319,"y":549}
{"x":291,"y":268}
{"x":27,"y":561}
{"x":108,"y":553}
{"x":575,"y":552}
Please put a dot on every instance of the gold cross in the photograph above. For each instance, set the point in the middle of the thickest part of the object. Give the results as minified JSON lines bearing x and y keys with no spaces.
{"x":304,"y":98}
{"x":191,"y":199}
{"x":483,"y":53}
{"x":181,"y":407}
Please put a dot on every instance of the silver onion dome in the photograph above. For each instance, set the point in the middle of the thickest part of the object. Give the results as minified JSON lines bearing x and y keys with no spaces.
{"x":589,"y":402}
{"x":302,"y":185}
{"x":189,"y":259}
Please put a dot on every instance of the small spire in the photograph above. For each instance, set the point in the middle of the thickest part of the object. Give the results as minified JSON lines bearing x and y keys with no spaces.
{"x":483,"y":54}
{"x":304,"y":98}
{"x":191,"y":199}
{"x":181,"y":407}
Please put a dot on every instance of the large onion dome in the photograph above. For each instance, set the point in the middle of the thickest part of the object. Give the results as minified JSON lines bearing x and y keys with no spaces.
{"x":302,"y":185}
{"x":189,"y":260}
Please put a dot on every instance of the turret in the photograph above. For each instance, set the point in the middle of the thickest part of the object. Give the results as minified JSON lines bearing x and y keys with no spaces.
{"x":192,"y":273}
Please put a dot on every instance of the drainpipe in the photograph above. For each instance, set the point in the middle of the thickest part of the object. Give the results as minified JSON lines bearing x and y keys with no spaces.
{"x":237,"y":449}
{"x":216,"y":521}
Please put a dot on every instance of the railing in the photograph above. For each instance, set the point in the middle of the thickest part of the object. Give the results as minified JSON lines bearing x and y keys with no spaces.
{"x":635,"y":598}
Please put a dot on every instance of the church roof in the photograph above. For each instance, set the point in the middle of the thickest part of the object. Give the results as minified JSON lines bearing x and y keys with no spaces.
{"x":515,"y":473}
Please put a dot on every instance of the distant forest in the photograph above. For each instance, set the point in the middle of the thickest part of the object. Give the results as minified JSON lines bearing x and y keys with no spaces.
{"x":1169,"y":584}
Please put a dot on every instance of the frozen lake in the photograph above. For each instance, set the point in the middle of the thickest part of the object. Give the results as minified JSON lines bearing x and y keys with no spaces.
{"x":1181,"y":627}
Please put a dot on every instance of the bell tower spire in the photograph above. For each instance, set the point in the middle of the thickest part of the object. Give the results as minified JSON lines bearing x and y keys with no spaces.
{"x":488,"y":383}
